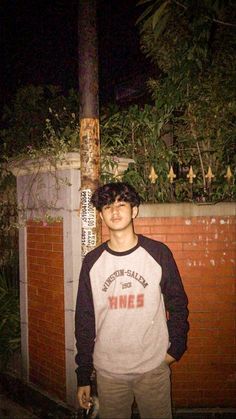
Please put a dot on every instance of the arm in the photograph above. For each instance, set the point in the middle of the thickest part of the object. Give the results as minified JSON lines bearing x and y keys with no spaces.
{"x":176,"y":304}
{"x":84,"y":330}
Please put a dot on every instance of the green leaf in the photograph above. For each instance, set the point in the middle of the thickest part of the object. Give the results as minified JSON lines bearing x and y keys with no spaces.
{"x":161,"y":27}
{"x":159,"y":14}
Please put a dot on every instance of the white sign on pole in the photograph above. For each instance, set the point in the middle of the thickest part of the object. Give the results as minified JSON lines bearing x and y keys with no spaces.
{"x":88,"y":218}
{"x":88,"y":212}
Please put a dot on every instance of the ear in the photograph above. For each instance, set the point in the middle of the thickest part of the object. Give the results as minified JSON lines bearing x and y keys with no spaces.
{"x":134,"y":212}
{"x":100,"y":214}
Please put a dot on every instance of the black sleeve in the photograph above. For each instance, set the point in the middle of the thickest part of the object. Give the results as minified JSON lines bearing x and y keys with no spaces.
{"x":176,"y":303}
{"x":84,"y":328}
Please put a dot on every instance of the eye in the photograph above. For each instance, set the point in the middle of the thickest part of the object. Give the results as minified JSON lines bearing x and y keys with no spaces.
{"x":106,"y":207}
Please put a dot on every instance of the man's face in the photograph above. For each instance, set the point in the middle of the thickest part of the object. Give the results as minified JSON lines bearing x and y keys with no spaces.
{"x":119,"y":215}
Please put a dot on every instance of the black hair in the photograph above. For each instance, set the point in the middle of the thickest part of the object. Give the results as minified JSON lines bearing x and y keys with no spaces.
{"x":108,"y":193}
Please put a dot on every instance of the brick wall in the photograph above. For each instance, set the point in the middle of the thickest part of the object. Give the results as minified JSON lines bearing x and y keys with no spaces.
{"x":204,"y":249}
{"x":46,"y":322}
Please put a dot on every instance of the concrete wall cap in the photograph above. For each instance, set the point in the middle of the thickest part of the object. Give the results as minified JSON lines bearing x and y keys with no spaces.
{"x":187,"y":209}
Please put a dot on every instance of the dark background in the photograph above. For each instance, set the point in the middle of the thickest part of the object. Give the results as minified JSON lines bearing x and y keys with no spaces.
{"x":39,"y":45}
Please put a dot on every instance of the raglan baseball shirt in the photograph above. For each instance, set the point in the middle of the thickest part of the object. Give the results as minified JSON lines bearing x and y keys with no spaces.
{"x":121,"y":324}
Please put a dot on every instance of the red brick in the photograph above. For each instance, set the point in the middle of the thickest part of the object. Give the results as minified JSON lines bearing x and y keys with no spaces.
{"x":57,"y":247}
{"x":54,"y":271}
{"x":31,"y":259}
{"x":43,"y":246}
{"x":37,"y":253}
{"x":53,"y":238}
{"x":36,"y":268}
{"x":34,"y":237}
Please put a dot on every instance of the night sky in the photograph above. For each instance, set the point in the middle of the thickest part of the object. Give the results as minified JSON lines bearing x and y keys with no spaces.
{"x":39,"y":44}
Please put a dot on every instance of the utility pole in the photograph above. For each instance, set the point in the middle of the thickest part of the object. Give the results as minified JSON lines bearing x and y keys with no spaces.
{"x":89,"y":121}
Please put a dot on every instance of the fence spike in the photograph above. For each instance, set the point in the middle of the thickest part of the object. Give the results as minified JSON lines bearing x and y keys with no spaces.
{"x":191,"y":175}
{"x":209,"y":176}
{"x":153,"y":176}
{"x":229,"y":174}
{"x":171,"y":175}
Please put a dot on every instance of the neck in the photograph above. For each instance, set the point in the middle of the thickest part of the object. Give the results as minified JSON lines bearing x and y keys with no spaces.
{"x":120,"y":243}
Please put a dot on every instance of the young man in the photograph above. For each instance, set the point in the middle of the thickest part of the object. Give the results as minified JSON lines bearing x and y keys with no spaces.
{"x":131,"y":314}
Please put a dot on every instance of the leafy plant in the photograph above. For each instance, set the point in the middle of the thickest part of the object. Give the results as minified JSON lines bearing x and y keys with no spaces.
{"x":142,"y":133}
{"x":9,"y":312}
{"x":136,"y":133}
{"x":193,"y":44}
{"x":35,"y":116}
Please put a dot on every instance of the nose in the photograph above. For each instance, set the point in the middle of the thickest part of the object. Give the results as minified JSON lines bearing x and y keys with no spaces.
{"x":115,"y":209}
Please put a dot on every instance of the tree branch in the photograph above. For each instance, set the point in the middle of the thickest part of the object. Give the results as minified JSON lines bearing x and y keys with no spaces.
{"x":224,"y":23}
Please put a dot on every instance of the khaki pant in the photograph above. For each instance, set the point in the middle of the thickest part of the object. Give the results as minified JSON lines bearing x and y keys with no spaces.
{"x":151,"y":391}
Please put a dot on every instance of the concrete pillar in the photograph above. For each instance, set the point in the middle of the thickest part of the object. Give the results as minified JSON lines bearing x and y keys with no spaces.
{"x":50,"y":251}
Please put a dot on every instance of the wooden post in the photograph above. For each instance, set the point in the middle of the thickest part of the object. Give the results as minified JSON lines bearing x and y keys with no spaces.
{"x":89,"y":122}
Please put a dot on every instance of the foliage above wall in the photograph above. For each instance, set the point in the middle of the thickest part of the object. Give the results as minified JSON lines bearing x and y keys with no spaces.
{"x":36,"y":116}
{"x":193,"y":43}
{"x":162,"y":150}
{"x":162,"y":170}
